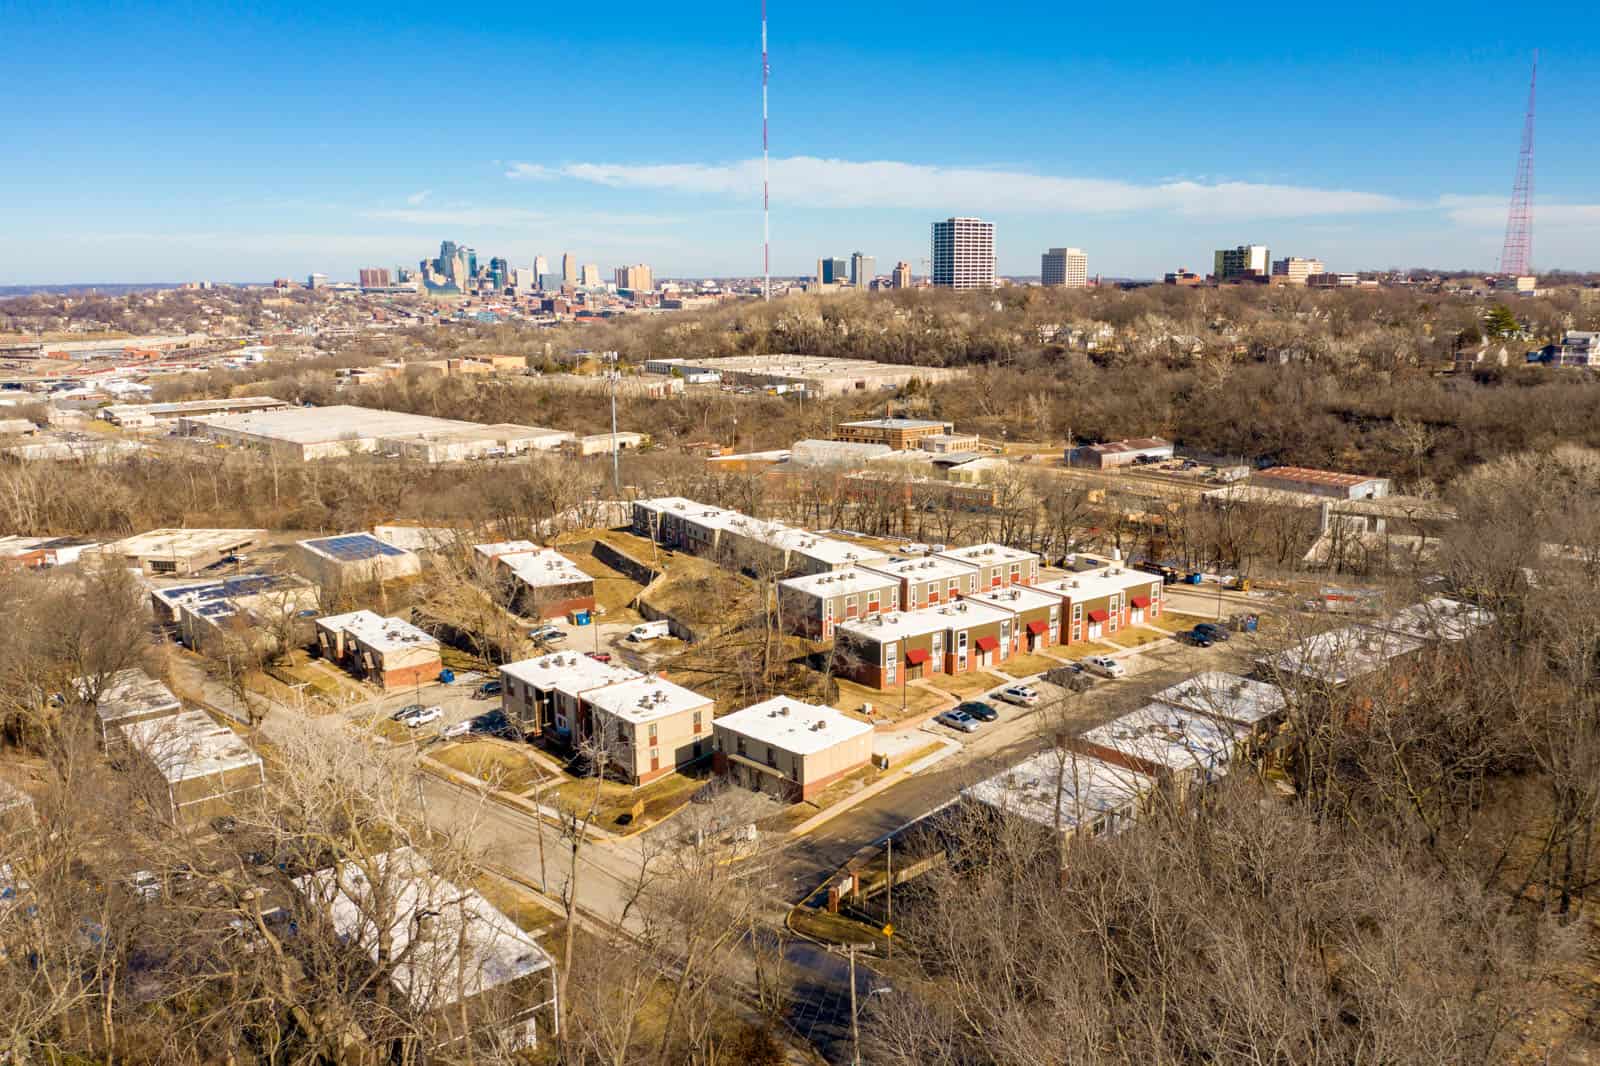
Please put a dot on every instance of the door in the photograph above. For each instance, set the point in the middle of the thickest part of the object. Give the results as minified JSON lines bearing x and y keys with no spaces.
{"x":891,"y":662}
{"x":827,"y":618}
{"x":655,"y":759}
{"x":936,"y":654}
{"x":961,"y":651}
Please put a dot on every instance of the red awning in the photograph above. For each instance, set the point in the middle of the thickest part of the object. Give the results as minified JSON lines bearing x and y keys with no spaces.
{"x":1099,"y":616}
{"x":1140,"y":602}
{"x":916,"y":656}
{"x":987,"y":643}
{"x":1038,"y":627}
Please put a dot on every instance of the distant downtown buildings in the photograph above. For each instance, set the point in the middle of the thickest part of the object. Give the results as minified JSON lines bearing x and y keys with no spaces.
{"x":1065,"y":268}
{"x":963,"y":254}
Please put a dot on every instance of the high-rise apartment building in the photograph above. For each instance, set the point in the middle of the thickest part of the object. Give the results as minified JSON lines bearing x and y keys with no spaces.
{"x":316,"y":281}
{"x":590,"y":278}
{"x":636,"y":278}
{"x":1245,"y":261}
{"x":1295,"y":269}
{"x":374,"y":277}
{"x":963,"y":254}
{"x":1064,"y":267}
{"x":902,"y":275}
{"x":862,"y":267}
{"x":569,"y":269}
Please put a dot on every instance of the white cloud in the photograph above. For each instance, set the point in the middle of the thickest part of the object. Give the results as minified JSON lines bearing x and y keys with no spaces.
{"x":1489,"y":212}
{"x":512,"y":216}
{"x":806,"y":181}
{"x":416,"y":198}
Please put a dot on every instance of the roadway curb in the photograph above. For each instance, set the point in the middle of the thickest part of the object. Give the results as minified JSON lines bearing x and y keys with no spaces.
{"x":824,"y":816}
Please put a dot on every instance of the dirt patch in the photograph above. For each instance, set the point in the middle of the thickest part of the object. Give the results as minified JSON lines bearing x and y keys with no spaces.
{"x":494,"y":764}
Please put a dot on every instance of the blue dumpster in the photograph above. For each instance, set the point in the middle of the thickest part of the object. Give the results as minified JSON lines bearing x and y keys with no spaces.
{"x":447,"y":676}
{"x":580,"y":618}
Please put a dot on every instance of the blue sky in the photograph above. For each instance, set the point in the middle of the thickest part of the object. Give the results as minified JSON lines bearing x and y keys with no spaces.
{"x":244,"y":142}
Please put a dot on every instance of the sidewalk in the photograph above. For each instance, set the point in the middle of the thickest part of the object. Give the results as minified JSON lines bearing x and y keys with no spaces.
{"x":822,"y":816}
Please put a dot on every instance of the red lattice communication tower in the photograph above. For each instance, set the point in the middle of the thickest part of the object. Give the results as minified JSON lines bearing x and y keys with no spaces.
{"x":766,"y":209}
{"x":1516,"y":257}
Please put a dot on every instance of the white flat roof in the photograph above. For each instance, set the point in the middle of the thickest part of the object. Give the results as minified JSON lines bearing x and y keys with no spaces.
{"x":1437,"y":619}
{"x":1085,"y":788}
{"x":319,"y":425}
{"x":801,"y":728}
{"x":544,"y":568}
{"x":1226,"y":695}
{"x":131,"y":692}
{"x":1341,"y":655}
{"x":675,"y":504}
{"x":1098,"y":584}
{"x":927,"y":568}
{"x":189,"y":744}
{"x":1017,"y":598}
{"x":898,"y":625}
{"x":835,"y":552}
{"x":504,"y":547}
{"x":645,"y":699}
{"x":566,"y":671}
{"x":181,"y":542}
{"x":376,"y":631}
{"x":471,"y":947}
{"x":1169,"y":736}
{"x":840,"y":582}
{"x":988,"y":554}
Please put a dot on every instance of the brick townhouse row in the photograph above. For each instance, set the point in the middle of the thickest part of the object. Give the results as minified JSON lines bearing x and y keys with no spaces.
{"x":987,"y":628}
{"x":741,"y":542}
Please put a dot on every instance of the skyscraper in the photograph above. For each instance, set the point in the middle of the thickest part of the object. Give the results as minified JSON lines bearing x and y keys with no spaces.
{"x":902,"y":275}
{"x":831,"y":271}
{"x":591,"y":275}
{"x":569,"y":269}
{"x":499,"y":273}
{"x":1295,"y":269}
{"x":862,"y":268}
{"x":1245,"y":261}
{"x":1064,"y":267}
{"x":963,"y":254}
{"x":636,"y":278}
{"x":541,"y":266}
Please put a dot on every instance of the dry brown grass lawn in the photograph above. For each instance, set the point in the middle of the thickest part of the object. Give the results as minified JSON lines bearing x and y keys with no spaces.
{"x":968,"y":684}
{"x":494,"y":763}
{"x":1084,"y":649}
{"x":1174,"y":622}
{"x":1135,"y":637}
{"x":661,"y":798}
{"x":919,"y":699}
{"x":1027,"y":665}
{"x":520,"y":905}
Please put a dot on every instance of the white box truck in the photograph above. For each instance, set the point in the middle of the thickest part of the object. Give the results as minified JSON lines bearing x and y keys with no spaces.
{"x":649,"y":631}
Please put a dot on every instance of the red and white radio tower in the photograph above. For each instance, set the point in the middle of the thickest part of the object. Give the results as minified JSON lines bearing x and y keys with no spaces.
{"x":1516,"y":258}
{"x":766,"y":214}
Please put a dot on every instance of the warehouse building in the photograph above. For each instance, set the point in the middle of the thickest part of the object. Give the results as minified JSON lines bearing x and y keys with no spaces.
{"x":390,"y":652}
{"x":1117,"y":453}
{"x":191,"y":769}
{"x":465,"y":969}
{"x":145,"y":415}
{"x":1325,"y":483}
{"x":602,"y":443}
{"x":32,"y":553}
{"x":354,"y":558}
{"x":818,"y":375}
{"x":306,"y":433}
{"x":182,"y":551}
{"x":898,"y":433}
{"x":789,"y":749}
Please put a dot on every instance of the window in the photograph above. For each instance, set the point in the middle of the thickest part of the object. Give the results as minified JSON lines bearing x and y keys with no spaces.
{"x":972,"y":585}
{"x":697,"y":715}
{"x":772,"y":757}
{"x":1077,"y":612}
{"x":738,"y":743}
{"x":891,"y":662}
{"x":653,"y":730}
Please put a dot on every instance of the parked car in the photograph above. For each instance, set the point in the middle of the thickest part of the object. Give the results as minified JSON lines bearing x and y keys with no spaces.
{"x":1105,"y":666}
{"x":459,"y":729}
{"x":547,"y":634}
{"x":225,"y":823}
{"x":1021,"y":695}
{"x":599,"y":656}
{"x":487,"y":690}
{"x":958,"y":720}
{"x":1213,"y":631}
{"x":983,"y":712}
{"x":422,"y":717}
{"x":1197,"y":638}
{"x":406,"y":711}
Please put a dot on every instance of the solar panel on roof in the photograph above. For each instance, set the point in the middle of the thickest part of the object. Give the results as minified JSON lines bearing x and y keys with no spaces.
{"x":355,"y":547}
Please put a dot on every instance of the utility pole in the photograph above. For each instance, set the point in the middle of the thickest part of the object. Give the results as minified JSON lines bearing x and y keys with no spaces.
{"x":766,"y":209}
{"x":855,"y":1021}
{"x":888,"y":922}
{"x":616,"y":471}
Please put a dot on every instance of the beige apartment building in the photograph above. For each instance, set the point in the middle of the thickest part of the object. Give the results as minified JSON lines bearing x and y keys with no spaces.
{"x":790,"y":749}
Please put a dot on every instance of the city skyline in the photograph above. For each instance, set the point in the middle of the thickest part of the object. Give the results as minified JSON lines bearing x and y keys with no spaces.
{"x":1368,"y":160}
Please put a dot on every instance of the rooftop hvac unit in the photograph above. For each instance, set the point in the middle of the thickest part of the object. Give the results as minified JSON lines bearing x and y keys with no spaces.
{"x":784,"y":711}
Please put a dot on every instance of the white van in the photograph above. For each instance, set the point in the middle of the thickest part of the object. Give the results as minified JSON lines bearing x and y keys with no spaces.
{"x":649,"y":631}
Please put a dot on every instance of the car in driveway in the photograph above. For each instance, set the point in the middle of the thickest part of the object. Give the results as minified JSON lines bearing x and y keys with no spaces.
{"x":983,"y":712}
{"x":407,"y":711}
{"x":1105,"y":666}
{"x":547,"y":635}
{"x":599,"y":656}
{"x":1021,"y":695}
{"x":487,"y":690}
{"x":1213,"y":632}
{"x":1197,"y":638}
{"x":422,"y":717}
{"x":958,"y":720}
{"x":459,"y":729}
